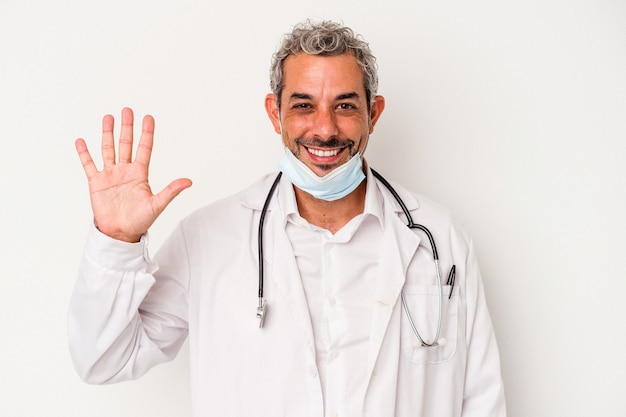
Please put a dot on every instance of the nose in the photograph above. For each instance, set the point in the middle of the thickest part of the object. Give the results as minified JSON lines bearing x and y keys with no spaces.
{"x":325,"y":124}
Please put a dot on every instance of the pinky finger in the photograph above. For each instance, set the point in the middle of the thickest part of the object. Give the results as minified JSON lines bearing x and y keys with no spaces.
{"x":85,"y":158}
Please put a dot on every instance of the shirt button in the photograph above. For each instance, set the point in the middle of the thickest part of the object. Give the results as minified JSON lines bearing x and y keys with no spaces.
{"x":334,"y":414}
{"x":332,"y":302}
{"x":334,"y":354}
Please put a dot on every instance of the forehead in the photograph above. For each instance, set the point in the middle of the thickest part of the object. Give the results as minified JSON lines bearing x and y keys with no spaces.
{"x":312,"y":74}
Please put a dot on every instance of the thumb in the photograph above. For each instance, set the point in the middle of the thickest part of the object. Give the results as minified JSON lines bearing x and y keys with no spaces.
{"x":168,"y":194}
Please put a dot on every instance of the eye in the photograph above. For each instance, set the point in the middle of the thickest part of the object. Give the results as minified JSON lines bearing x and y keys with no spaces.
{"x":346,"y":106}
{"x":301,"y":106}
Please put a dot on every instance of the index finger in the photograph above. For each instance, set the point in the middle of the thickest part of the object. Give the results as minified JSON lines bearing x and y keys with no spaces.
{"x":144,"y":149}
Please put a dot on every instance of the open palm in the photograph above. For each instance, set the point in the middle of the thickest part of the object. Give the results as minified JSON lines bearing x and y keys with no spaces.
{"x":122,"y":201}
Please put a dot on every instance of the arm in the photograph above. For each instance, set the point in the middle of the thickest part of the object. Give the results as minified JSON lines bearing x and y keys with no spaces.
{"x":121,"y":320}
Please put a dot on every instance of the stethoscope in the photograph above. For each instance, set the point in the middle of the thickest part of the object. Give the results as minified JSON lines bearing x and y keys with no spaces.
{"x":437,"y":341}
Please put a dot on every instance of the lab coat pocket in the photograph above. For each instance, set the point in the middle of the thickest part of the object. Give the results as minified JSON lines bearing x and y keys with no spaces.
{"x":423,"y":305}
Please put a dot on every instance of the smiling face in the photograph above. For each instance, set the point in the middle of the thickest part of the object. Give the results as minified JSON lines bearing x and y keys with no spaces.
{"x":324,"y":118}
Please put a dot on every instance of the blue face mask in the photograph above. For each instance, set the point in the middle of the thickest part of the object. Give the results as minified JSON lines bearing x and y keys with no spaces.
{"x":335,"y":185}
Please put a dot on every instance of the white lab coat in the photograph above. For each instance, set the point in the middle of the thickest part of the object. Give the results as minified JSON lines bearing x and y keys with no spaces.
{"x":126,"y":315}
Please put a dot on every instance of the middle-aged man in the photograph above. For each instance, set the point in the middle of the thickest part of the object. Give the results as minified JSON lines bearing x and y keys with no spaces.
{"x":356,"y":314}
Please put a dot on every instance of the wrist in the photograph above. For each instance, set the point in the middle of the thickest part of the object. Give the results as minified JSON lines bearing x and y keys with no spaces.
{"x":119,"y":235}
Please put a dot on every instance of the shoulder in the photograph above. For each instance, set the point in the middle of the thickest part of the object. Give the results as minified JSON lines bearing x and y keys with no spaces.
{"x":422,"y":209}
{"x":397,"y":197}
{"x":234,"y":209}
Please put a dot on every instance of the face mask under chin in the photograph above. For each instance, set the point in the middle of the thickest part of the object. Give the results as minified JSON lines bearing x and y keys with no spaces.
{"x":333,"y":186}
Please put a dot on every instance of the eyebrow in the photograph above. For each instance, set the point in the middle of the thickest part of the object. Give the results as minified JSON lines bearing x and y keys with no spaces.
{"x":346,"y":96}
{"x":300,"y":96}
{"x":305,"y":96}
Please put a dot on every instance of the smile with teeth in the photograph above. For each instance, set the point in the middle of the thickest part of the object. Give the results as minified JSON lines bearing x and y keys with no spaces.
{"x":324,"y":152}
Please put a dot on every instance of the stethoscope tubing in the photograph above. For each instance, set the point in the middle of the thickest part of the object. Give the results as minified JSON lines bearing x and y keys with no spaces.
{"x":410,"y":224}
{"x":260,"y":234}
{"x":431,"y":239}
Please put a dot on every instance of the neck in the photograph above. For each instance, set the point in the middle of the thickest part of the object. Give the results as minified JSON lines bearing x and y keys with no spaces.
{"x":331,"y":215}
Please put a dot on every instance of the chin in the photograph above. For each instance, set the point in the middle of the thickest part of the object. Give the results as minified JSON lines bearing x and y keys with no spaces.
{"x":325,"y":168}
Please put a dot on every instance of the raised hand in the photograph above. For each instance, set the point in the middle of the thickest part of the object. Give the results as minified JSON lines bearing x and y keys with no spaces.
{"x":122,"y":201}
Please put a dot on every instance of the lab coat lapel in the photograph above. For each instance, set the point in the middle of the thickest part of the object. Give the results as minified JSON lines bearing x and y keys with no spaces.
{"x":280,"y":268}
{"x":284,"y":273}
{"x":398,"y":248}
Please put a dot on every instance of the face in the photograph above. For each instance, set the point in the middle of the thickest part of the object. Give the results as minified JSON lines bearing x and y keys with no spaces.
{"x":324,"y":118}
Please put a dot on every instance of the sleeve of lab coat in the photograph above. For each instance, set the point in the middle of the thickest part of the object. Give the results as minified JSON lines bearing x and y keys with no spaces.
{"x":121,"y":320}
{"x":484,"y":393}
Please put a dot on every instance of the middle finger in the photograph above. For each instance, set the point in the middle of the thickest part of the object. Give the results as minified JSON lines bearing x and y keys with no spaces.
{"x":126,"y":136}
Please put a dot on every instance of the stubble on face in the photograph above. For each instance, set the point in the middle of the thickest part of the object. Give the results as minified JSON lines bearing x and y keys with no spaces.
{"x":347,"y":145}
{"x":328,"y":89}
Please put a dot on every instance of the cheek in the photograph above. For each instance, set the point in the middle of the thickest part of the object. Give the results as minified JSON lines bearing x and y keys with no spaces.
{"x":358,"y":132}
{"x":355,"y":126}
{"x":363,"y":144}
{"x":289,"y":142}
{"x":296,"y":126}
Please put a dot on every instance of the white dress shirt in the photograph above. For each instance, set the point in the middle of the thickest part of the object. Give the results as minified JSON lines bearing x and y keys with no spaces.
{"x":338,"y":273}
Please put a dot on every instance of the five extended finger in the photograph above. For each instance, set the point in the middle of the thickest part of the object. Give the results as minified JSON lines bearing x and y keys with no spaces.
{"x":126,"y":136}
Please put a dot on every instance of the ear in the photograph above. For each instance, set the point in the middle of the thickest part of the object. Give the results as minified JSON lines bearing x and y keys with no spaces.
{"x":271,"y":107}
{"x":377,"y":109}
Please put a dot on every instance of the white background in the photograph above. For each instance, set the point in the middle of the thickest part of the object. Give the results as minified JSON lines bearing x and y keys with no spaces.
{"x":512,"y":114}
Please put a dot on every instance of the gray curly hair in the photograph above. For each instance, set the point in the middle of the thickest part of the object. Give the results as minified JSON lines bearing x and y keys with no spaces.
{"x":325,"y":39}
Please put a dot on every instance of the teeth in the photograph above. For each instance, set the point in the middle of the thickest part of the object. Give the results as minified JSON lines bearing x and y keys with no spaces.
{"x":318,"y":152}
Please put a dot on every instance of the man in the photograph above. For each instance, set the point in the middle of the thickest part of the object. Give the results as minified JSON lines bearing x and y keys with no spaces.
{"x":351,"y":317}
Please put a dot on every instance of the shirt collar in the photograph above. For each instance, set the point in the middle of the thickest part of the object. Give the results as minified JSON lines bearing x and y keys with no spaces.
{"x":286,"y":199}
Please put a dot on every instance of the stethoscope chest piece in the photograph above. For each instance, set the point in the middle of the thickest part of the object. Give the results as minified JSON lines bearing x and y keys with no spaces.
{"x":260,"y":311}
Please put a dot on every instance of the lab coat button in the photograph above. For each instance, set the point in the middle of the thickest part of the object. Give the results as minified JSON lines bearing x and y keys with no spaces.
{"x":313,"y":371}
